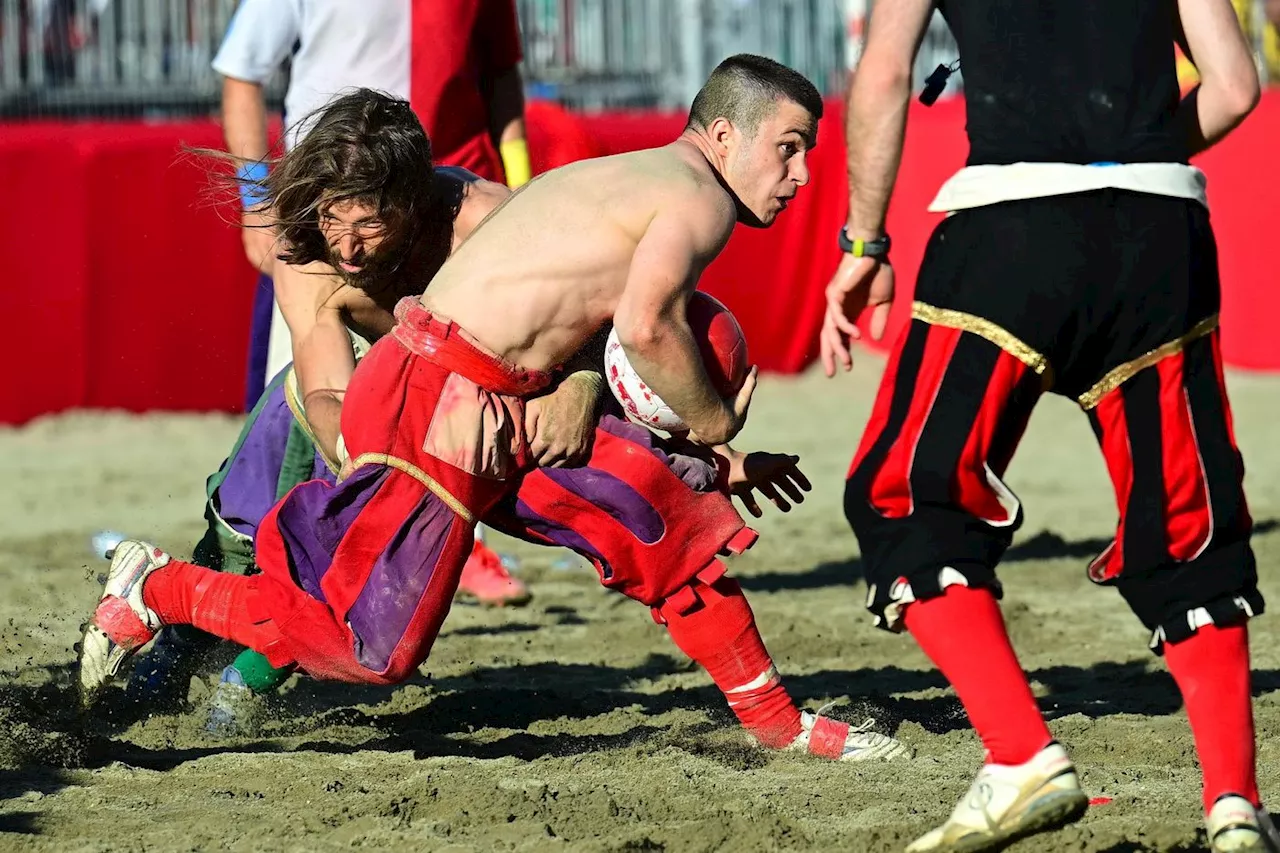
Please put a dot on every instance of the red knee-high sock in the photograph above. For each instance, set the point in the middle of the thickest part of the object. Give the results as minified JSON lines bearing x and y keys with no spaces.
{"x":224,"y":605}
{"x":1212,"y":671}
{"x":963,"y":633}
{"x":719,"y":632}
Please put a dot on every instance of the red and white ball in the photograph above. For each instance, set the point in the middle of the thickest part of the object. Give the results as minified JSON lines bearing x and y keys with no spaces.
{"x":724,"y":355}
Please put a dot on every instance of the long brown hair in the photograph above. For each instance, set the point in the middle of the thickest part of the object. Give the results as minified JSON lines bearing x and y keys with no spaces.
{"x":363,"y":146}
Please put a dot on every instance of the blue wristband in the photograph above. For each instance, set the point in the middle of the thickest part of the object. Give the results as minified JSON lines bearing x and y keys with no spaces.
{"x":250,"y":178}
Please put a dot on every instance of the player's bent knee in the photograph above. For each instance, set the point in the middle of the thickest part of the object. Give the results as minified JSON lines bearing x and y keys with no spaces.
{"x":648,"y":518}
{"x":1174,"y":600}
{"x":916,"y":556}
{"x":888,"y":595}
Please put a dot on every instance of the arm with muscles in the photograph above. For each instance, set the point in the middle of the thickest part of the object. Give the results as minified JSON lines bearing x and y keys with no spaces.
{"x":1210,"y":35}
{"x":323,"y":360}
{"x":259,"y":37}
{"x":653,"y":327}
{"x":561,"y":424}
{"x":876,"y":121}
{"x":244,"y":123}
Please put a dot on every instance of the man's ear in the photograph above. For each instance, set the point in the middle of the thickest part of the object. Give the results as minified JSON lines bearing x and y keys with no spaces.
{"x":723,"y":135}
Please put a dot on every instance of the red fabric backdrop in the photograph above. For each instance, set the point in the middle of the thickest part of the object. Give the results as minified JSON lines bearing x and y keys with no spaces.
{"x":131,"y":292}
{"x":128,"y":291}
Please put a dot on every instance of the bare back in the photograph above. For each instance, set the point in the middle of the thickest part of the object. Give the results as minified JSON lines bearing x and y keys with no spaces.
{"x":548,"y":268}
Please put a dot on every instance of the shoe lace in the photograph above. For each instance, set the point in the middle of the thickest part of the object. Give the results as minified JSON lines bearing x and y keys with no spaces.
{"x":866,"y":727}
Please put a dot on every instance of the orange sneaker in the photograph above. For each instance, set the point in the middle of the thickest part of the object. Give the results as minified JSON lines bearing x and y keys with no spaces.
{"x":486,"y":580}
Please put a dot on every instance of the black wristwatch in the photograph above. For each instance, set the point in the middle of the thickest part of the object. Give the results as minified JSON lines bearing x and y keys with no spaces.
{"x":878,"y":249}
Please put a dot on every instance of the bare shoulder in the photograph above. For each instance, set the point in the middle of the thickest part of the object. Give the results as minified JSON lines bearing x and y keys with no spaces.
{"x":479,"y":199}
{"x":482,"y":197}
{"x":694,"y":194}
{"x":472,"y":189}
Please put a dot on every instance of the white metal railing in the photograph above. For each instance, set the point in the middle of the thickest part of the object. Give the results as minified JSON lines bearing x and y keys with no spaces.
{"x":610,"y":52}
{"x":111,"y":56}
{"x":110,"y":45}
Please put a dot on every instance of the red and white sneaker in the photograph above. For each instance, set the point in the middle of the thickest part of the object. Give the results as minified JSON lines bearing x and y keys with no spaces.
{"x":121,"y":623}
{"x":485,"y":579}
{"x":839,"y":741}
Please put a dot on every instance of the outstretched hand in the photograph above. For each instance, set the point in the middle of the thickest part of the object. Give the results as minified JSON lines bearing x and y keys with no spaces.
{"x":777,"y":476}
{"x":858,"y":284}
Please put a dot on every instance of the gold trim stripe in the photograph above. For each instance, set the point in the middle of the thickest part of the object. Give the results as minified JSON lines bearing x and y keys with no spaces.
{"x":418,"y":474}
{"x":1122,"y":374}
{"x":300,"y":415}
{"x":987,"y":330}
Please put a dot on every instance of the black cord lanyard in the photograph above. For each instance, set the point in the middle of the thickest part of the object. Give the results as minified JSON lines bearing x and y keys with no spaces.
{"x":936,"y":82}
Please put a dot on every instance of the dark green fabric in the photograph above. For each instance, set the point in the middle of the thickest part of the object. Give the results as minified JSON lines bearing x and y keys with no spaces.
{"x":224,"y":551}
{"x":259,"y":675}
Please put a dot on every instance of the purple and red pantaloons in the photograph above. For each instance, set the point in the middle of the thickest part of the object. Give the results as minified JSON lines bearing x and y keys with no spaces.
{"x":360,"y":575}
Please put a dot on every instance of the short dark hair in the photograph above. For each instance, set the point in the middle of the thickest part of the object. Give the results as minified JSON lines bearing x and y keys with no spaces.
{"x":744,"y":89}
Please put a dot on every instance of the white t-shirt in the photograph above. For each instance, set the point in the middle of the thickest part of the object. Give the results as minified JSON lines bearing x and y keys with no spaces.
{"x":340,"y":44}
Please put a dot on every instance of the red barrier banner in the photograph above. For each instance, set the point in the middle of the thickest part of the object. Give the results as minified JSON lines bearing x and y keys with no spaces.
{"x":131,"y":289}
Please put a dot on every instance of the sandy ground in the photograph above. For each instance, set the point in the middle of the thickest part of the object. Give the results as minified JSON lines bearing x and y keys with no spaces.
{"x":574,"y":723}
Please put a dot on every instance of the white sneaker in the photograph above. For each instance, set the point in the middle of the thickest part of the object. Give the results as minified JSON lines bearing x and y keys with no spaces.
{"x":1235,"y":825}
{"x":1007,"y":802}
{"x":842,"y":742}
{"x":121,"y":623}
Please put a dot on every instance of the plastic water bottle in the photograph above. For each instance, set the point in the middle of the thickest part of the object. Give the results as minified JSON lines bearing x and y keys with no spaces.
{"x":103,"y":543}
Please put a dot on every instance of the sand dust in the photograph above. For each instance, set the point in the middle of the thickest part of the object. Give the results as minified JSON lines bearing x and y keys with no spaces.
{"x":574,"y":723}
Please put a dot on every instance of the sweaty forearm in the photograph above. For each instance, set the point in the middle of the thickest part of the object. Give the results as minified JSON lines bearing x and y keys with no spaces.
{"x":324,"y":413}
{"x":323,"y":360}
{"x":875,"y":126}
{"x":244,"y":119}
{"x":1206,"y":116}
{"x":1228,"y":89}
{"x":668,"y":360}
